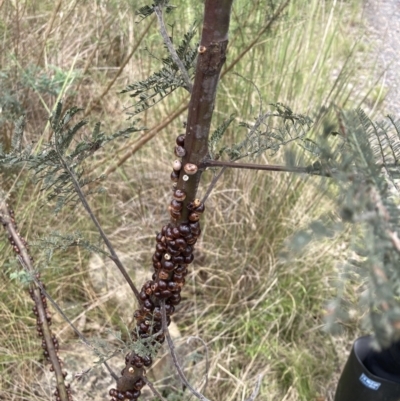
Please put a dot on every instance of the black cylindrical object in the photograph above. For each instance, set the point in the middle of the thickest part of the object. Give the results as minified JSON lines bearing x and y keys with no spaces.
{"x":357,"y":383}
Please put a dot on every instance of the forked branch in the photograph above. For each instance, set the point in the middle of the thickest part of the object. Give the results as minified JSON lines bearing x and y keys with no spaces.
{"x":49,"y":341}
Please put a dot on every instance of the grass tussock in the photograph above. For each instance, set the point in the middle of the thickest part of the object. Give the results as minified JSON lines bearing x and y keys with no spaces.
{"x":256,"y":313}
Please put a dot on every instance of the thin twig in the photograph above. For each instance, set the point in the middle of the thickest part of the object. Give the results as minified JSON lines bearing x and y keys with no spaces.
{"x":171,"y":49}
{"x":252,"y":166}
{"x":213,"y":183}
{"x":174,"y":356}
{"x":267,"y":167}
{"x":153,"y":389}
{"x":114,"y":257}
{"x":256,"y":389}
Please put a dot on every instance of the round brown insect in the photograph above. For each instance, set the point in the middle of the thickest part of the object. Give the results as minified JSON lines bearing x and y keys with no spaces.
{"x":174,"y":214}
{"x":156,"y":257}
{"x":177,"y":206}
{"x":143,"y":296}
{"x":180,"y":151}
{"x":189,"y":259}
{"x":187,"y":251}
{"x":174,"y":299}
{"x":190,"y":168}
{"x":201,"y":49}
{"x":160,"y":247}
{"x":200,"y":208}
{"x":168,"y":233}
{"x":172,"y":244}
{"x":192,"y":240}
{"x":179,"y":195}
{"x":194,"y":204}
{"x":194,"y":227}
{"x":166,"y":294}
{"x":167,"y":256}
{"x":194,"y":216}
{"x":180,"y":140}
{"x":148,"y":304}
{"x":180,"y":243}
{"x":174,"y":176}
{"x":147,"y":361}
{"x":172,"y":251}
{"x":163,"y":274}
{"x":184,"y":229}
{"x":169,"y":309}
{"x":162,"y":285}
{"x":178,"y":259}
{"x":167,"y":266}
{"x":143,"y":327}
{"x":178,"y":278}
{"x":175,"y":232}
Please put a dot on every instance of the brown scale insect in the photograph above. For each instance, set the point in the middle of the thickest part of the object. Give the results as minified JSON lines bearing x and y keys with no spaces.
{"x":176,"y":205}
{"x":179,"y":151}
{"x":184,"y":229}
{"x":180,"y":140}
{"x":193,"y":216}
{"x":179,"y":195}
{"x":174,"y":176}
{"x":178,"y":259}
{"x":174,"y":214}
{"x":190,"y":168}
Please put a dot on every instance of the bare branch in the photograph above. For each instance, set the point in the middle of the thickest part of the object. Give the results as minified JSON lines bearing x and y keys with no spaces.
{"x":253,"y":166}
{"x":65,"y":317}
{"x":114,"y":257}
{"x":213,"y":183}
{"x":171,"y":49}
{"x":41,"y":311}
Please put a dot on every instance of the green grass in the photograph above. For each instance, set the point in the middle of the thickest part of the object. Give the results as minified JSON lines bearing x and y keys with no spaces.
{"x":257,"y":314}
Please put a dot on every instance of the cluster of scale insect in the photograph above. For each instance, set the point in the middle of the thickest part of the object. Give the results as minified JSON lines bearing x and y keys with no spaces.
{"x":173,"y":253}
{"x":39,"y":322}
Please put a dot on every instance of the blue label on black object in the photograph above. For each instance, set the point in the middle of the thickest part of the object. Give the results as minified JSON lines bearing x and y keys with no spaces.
{"x":373,"y":385}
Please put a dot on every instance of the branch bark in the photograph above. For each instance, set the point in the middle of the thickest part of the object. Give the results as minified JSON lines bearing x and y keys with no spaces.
{"x":212,"y":55}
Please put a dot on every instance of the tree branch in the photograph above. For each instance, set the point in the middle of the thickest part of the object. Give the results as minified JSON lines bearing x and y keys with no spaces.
{"x":212,"y":55}
{"x":253,"y":166}
{"x":42,"y":313}
{"x":114,"y":257}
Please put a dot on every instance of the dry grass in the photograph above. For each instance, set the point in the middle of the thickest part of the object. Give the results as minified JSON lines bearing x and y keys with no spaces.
{"x":257,"y":313}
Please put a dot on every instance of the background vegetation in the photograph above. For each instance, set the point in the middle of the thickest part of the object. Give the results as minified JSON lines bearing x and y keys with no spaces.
{"x":256,"y":312}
